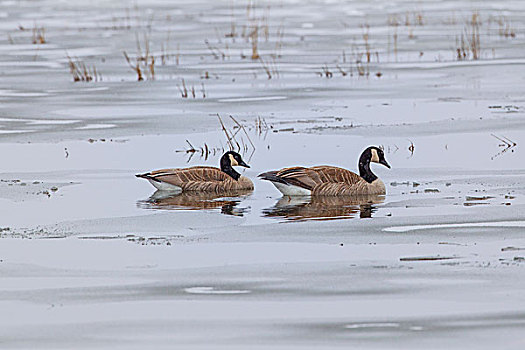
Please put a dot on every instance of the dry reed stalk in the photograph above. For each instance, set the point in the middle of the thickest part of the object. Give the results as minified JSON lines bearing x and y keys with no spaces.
{"x":232,"y":34}
{"x":473,"y":37}
{"x":468,"y":45}
{"x":395,"y":43}
{"x":419,"y":18}
{"x":393,"y":20}
{"x":407,"y":19}
{"x":266,"y":25}
{"x":38,"y":35}
{"x":343,"y":73}
{"x":254,"y":38}
{"x":261,"y":126}
{"x":233,"y":144}
{"x":203,"y":91}
{"x":366,"y":37}
{"x":152,"y":68}
{"x":191,"y":149}
{"x":215,"y":51}
{"x":135,"y":67}
{"x":279,"y":41}
{"x":164,"y":48}
{"x":81,"y":72}
{"x":183,"y":90}
{"x":243,"y":129}
{"x":275,"y":69}
{"x":326,"y":72}
{"x":143,"y":63}
{"x":361,"y":70}
{"x":266,"y":68}
{"x":228,"y":138}
{"x":505,"y":28}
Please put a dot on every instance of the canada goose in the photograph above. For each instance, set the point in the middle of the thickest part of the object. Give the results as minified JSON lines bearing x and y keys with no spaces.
{"x":202,"y":178}
{"x":329,"y":180}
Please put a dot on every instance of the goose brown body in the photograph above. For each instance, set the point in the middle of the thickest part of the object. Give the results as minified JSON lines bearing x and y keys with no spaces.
{"x":202,"y":178}
{"x":330,"y":180}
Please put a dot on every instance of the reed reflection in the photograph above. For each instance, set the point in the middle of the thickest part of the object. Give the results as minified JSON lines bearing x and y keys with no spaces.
{"x":227,"y":202}
{"x":324,"y":207}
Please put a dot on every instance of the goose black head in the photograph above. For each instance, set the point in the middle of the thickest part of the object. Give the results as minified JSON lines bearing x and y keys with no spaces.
{"x":378,"y":156}
{"x":233,"y":159}
{"x":371,"y":155}
{"x":229,"y":160}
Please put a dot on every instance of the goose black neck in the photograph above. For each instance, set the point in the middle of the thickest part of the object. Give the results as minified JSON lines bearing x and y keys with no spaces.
{"x":228,"y":169}
{"x":364,"y":168}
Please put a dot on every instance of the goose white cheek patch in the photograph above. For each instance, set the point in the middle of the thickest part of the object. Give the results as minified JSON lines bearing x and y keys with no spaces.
{"x":233,"y":161}
{"x":375,"y":156}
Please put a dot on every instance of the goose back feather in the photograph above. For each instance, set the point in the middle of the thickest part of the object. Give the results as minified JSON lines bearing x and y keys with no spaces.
{"x":324,"y":181}
{"x":198,"y":179}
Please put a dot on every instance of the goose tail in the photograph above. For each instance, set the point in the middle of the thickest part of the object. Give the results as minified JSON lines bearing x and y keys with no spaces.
{"x":272,"y":176}
{"x":147,"y":176}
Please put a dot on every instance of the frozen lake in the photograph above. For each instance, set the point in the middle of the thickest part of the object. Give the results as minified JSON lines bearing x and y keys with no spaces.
{"x":91,"y":257}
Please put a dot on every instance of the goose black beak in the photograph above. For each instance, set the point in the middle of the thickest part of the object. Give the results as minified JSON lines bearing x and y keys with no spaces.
{"x":242,"y":163}
{"x":384,"y":162}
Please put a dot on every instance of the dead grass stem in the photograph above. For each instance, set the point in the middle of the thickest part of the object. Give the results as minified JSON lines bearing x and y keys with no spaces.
{"x":243,"y":129}
{"x":468,"y":44}
{"x":38,"y":35}
{"x":505,"y":29}
{"x":229,"y":139}
{"x":237,"y":139}
{"x":214,"y":50}
{"x":254,"y":39}
{"x":183,"y":90}
{"x":81,"y":72}
{"x":143,"y":63}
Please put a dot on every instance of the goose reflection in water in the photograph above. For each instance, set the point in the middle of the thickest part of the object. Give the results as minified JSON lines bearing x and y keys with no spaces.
{"x":324,"y":207}
{"x":227,"y":202}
